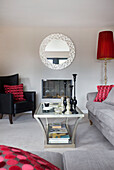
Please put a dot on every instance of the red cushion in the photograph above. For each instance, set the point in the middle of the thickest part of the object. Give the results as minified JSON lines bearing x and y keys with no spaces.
{"x":103,"y":91}
{"x":16,"y":90}
{"x":17,"y":159}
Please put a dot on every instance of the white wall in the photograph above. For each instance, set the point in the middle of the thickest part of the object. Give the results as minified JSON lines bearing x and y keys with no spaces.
{"x":19,"y":53}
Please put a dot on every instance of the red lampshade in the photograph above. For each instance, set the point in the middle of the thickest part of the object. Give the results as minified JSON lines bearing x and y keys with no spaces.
{"x":105,"y":46}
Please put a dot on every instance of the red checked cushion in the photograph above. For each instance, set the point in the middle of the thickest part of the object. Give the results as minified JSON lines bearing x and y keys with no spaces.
{"x":103,"y":91}
{"x":16,"y":90}
{"x":18,"y":159}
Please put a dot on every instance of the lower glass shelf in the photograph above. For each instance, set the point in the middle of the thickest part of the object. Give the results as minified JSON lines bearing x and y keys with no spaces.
{"x":58,"y":134}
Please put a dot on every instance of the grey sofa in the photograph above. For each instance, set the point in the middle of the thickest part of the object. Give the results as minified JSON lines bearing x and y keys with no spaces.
{"x":81,"y":159}
{"x":101,"y":114}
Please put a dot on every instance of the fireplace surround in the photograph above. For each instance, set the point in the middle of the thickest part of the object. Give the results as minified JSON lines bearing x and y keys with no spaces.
{"x":54,"y":88}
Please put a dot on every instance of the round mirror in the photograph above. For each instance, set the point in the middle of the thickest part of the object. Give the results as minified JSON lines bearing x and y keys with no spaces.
{"x":57,"y":51}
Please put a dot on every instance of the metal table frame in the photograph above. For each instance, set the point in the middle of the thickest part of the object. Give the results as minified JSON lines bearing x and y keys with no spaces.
{"x":47,"y":116}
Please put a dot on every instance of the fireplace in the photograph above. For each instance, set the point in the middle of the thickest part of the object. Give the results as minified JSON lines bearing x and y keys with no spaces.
{"x":55,"y":89}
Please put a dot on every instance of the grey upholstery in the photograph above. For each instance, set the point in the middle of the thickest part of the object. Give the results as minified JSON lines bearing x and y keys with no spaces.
{"x":91,"y":96}
{"x":54,"y":157}
{"x":80,"y":159}
{"x":110,"y":98}
{"x":102,"y":116}
{"x":107,"y":117}
{"x":95,"y":106}
{"x":88,"y":160}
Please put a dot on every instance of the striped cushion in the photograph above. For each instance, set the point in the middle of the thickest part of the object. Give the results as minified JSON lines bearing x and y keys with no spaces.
{"x":16,"y":90}
{"x":103,"y":91}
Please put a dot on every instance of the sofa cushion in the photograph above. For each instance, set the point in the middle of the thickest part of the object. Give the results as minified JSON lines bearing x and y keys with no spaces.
{"x":88,"y":160}
{"x":16,"y":159}
{"x":91,"y":96}
{"x":103,"y":91}
{"x":107,"y":117}
{"x":16,"y":90}
{"x":93,"y":107}
{"x":110,"y":97}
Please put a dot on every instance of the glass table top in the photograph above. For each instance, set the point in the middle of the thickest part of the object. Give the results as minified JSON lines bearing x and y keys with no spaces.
{"x":54,"y":110}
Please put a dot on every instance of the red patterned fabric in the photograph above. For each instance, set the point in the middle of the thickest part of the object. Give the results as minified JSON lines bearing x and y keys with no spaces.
{"x":103,"y":91}
{"x":18,"y":159}
{"x":16,"y":90}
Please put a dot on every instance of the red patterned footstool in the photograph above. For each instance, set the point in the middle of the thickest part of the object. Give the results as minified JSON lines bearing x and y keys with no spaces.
{"x":17,"y":159}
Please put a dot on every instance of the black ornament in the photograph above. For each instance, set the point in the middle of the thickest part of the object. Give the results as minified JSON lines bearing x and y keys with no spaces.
{"x":74,"y":101}
{"x":71,"y":99}
{"x":64,"y":101}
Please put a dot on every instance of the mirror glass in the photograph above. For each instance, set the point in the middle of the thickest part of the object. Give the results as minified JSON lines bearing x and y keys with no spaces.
{"x":57,"y":51}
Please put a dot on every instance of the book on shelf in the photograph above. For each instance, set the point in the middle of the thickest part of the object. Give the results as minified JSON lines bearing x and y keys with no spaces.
{"x":53,"y":131}
{"x":58,"y":140}
{"x":63,"y":141}
{"x":56,"y":125}
{"x":58,"y":135}
{"x":58,"y":130}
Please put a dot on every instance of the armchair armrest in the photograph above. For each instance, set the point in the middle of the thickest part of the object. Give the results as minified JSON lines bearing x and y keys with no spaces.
{"x":91,"y":96}
{"x":30,"y":96}
{"x":6,"y":103}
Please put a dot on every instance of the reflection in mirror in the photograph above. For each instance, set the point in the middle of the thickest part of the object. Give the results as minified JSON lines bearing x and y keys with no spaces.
{"x":57,"y":51}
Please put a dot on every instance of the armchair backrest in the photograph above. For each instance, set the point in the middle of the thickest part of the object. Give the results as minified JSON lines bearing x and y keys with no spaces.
{"x":8,"y":80}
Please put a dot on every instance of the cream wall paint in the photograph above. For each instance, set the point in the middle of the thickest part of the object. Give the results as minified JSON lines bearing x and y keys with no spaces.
{"x":19,"y":53}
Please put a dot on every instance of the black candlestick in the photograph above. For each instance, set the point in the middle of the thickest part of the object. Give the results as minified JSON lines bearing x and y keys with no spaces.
{"x":71,"y":99}
{"x":64,"y":101}
{"x":74,"y":101}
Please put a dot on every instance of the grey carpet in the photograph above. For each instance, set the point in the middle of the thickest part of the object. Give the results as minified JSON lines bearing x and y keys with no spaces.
{"x":26,"y":134}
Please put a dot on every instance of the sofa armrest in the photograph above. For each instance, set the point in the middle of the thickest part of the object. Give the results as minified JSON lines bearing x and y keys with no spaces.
{"x":91,"y":96}
{"x":6,"y":103}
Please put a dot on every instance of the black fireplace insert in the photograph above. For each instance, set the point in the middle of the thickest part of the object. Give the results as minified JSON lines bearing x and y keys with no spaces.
{"x":55,"y":88}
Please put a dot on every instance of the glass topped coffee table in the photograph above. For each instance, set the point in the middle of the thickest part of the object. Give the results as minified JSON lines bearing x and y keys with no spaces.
{"x":51,"y":112}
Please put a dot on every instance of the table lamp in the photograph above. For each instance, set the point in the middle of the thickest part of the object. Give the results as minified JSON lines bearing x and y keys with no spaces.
{"x":105,"y":49}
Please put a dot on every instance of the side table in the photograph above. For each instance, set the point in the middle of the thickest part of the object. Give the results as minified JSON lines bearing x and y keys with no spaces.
{"x":41,"y":114}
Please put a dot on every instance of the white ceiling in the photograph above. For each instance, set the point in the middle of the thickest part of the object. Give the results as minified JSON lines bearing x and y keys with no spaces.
{"x":57,"y":12}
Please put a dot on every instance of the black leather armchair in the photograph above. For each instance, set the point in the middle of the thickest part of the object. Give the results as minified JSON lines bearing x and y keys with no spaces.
{"x":7,"y":105}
